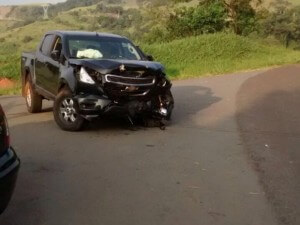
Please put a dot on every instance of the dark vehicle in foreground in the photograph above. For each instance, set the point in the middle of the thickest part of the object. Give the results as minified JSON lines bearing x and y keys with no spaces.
{"x":9,"y":164}
{"x":90,"y":74}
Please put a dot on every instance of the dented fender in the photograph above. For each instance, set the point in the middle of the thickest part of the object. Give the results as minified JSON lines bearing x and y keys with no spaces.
{"x":68,"y":77}
{"x":27,"y":68}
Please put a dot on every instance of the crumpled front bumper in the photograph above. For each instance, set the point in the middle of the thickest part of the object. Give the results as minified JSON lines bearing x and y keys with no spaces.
{"x":9,"y":167}
{"x":91,"y":106}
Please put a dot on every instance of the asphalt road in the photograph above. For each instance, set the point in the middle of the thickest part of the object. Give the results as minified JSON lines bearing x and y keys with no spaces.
{"x":229,"y":157}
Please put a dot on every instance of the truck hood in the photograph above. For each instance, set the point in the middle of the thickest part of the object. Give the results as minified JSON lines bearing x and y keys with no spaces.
{"x":105,"y":66}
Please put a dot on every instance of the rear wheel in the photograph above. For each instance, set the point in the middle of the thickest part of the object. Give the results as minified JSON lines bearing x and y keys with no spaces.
{"x":33,"y":99}
{"x":66,"y":112}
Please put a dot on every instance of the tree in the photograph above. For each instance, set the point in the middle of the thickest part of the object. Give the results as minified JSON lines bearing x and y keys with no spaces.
{"x":283,"y":22}
{"x":207,"y":17}
{"x":240,"y":13}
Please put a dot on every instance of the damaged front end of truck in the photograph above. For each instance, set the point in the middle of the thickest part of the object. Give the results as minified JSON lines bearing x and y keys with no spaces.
{"x":133,"y":89}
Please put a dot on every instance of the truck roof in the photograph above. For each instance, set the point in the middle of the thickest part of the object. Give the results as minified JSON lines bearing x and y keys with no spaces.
{"x":83,"y":33}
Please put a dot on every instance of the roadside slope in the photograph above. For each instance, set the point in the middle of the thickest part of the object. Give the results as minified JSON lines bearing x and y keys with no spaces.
{"x":219,"y":53}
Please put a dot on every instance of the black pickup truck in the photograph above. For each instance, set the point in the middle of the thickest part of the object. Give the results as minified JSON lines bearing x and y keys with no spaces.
{"x":90,"y":74}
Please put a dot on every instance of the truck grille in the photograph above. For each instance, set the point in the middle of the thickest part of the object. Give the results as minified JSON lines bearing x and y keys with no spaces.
{"x":130,"y":81}
{"x":121,"y":86}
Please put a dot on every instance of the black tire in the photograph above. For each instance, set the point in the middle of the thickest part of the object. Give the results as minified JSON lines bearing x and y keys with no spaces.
{"x":170,"y":99}
{"x":34,"y":101}
{"x":65,"y":112}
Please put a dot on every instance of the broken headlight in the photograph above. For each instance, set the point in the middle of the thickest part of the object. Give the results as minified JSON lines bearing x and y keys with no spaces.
{"x":89,"y":76}
{"x":85,"y":77}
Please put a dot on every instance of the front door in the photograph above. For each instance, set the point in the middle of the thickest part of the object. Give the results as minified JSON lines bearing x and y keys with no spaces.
{"x":47,"y":69}
{"x":54,"y":67}
{"x":41,"y":69}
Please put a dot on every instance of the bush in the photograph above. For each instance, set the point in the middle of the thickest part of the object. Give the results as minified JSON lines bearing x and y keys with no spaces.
{"x":27,"y":39}
{"x":203,"y":19}
{"x":156,"y":35}
{"x":101,"y":8}
{"x":115,"y":9}
{"x":107,"y":22}
{"x":74,"y":13}
{"x":58,"y":20}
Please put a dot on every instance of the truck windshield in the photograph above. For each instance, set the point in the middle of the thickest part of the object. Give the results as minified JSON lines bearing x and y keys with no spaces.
{"x":101,"y":48}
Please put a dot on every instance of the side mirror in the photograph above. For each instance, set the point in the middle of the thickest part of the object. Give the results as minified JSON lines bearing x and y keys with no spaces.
{"x":150,"y":57}
{"x":55,"y":55}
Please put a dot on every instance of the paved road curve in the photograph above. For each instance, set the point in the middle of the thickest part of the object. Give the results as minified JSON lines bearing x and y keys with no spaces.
{"x":229,"y":157}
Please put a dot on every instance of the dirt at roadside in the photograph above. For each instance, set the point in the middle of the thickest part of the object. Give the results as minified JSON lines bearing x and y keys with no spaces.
{"x":6,"y":83}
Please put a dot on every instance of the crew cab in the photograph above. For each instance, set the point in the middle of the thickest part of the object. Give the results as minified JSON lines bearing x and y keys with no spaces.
{"x":89,"y":74}
{"x":9,"y":164}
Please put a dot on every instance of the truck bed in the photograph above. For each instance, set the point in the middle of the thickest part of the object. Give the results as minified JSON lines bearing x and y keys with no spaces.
{"x":29,"y":55}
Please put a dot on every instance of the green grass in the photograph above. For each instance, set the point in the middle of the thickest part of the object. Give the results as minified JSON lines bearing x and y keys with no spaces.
{"x":217,"y":54}
{"x":5,"y":24}
{"x":9,"y":61}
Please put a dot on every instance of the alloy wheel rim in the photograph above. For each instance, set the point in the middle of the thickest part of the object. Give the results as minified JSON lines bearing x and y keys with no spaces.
{"x":68,"y":111}
{"x":28,"y":97}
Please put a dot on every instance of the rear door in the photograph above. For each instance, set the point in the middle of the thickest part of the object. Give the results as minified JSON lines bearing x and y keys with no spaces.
{"x":42,"y":71}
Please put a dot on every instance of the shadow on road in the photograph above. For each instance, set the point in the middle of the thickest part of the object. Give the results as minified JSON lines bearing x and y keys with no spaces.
{"x":269,"y":121}
{"x":189,"y":100}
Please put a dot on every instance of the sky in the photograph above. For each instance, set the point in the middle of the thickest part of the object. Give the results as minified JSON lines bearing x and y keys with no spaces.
{"x":22,"y":2}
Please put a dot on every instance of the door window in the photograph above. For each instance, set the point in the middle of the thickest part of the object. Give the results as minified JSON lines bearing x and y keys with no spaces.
{"x":58,"y":45}
{"x":47,"y":45}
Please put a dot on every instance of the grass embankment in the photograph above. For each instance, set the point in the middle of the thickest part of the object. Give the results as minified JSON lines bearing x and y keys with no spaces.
{"x":219,"y":53}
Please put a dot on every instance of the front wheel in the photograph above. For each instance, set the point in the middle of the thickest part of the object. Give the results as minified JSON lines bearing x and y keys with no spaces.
{"x":65,"y":112}
{"x":170,"y":102}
